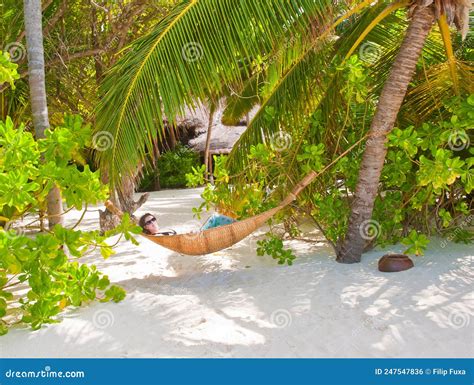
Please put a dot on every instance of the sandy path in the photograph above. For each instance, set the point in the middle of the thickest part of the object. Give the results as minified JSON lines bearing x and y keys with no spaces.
{"x":236,"y":304}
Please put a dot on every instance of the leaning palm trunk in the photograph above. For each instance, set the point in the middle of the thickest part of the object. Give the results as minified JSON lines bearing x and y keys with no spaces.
{"x":358,"y":233}
{"x":36,"y":78}
{"x":122,"y":197}
{"x":125,"y":194}
{"x":207,"y":148}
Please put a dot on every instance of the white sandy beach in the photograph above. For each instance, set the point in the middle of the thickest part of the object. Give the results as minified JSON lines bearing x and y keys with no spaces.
{"x":236,"y":304}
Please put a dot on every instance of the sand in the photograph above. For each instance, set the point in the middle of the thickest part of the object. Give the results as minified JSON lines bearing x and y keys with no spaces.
{"x":234,"y":303}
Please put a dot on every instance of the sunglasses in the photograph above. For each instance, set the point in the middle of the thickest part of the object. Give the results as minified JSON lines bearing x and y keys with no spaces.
{"x":150,"y":221}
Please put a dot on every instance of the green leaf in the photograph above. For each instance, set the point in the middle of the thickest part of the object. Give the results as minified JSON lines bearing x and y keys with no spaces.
{"x":417,"y":243}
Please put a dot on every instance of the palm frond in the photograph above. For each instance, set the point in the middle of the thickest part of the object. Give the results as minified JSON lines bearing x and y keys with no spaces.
{"x":242,"y":100}
{"x":305,"y":84}
{"x":190,"y":54}
{"x":446,"y":34}
{"x":433,"y":88}
{"x":376,"y":21}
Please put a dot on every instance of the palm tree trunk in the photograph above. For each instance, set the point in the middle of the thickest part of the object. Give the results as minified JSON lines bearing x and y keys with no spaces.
{"x":172,"y":139}
{"x":126,"y":193}
{"x":208,"y":142}
{"x":96,"y":45}
{"x":36,"y":78}
{"x":156,"y":182}
{"x":384,"y":119}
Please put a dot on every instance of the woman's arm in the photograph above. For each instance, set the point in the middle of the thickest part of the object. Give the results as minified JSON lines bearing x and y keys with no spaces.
{"x":171,"y":232}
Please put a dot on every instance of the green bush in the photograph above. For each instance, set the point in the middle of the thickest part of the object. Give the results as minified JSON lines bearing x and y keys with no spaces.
{"x":426,"y":185}
{"x":48,"y":264}
{"x":8,"y":70}
{"x":172,"y":167}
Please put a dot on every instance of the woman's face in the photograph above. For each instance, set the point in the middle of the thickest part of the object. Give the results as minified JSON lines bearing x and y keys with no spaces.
{"x":151,"y":224}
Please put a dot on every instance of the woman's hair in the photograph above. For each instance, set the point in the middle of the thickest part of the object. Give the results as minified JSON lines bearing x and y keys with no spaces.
{"x":142,"y":220}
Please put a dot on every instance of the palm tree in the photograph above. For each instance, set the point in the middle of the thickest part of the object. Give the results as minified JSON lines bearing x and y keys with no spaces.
{"x":39,"y":106}
{"x":183,"y":61}
{"x":423,"y":16}
{"x":207,"y":147}
{"x":292,"y":46}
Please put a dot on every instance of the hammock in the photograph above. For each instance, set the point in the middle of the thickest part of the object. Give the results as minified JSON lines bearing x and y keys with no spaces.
{"x":222,"y":237}
{"x":219,"y":238}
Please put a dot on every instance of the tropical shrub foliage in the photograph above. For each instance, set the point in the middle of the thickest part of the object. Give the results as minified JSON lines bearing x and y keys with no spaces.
{"x":41,"y":274}
{"x":171,"y":168}
{"x":81,"y":42}
{"x":426,"y":189}
{"x":8,"y":70}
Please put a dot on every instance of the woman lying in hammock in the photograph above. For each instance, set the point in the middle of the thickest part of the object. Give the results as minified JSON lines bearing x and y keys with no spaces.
{"x":149,"y":224}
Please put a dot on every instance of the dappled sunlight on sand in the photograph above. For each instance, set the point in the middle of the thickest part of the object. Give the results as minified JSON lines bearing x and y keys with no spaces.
{"x":234,"y":303}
